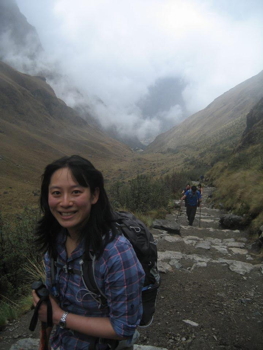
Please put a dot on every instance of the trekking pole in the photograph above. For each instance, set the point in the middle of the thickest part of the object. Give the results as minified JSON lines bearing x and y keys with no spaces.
{"x":180,"y":209}
{"x":46,"y":327}
{"x":200,"y":217}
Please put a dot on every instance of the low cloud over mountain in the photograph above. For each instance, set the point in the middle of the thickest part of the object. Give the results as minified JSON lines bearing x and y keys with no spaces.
{"x":118,"y":60}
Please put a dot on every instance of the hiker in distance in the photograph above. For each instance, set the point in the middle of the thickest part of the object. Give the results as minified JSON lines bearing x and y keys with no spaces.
{"x":187,"y":187}
{"x":77,"y":219}
{"x":193,"y":200}
{"x":200,"y":188}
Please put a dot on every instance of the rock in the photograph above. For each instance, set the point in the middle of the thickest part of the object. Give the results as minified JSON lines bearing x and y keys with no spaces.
{"x":147,"y":347}
{"x":257,"y":246}
{"x":164,"y":267}
{"x":203,"y":245}
{"x":232,"y":221}
{"x":199,"y":264}
{"x":191,"y":240}
{"x":221,"y":249}
{"x":175,"y":263}
{"x":235,"y":245}
{"x":192,"y":323}
{"x":168,"y":255}
{"x":26,"y":344}
{"x":239,"y":251}
{"x":241,"y":267}
{"x":172,"y":239}
{"x":167,"y":225}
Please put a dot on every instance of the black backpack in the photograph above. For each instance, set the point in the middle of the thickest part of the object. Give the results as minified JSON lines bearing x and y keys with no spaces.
{"x":145,"y":248}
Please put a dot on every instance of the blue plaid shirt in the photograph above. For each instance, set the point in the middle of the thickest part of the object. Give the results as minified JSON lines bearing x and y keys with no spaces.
{"x":120,"y":277}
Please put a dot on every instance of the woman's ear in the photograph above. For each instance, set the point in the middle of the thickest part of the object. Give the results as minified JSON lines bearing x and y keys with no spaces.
{"x":95,"y":195}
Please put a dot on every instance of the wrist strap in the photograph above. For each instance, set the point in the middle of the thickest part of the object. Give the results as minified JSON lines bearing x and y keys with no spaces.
{"x":34,"y":319}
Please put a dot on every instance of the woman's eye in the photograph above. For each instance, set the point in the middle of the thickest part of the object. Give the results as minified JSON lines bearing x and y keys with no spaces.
{"x":55,"y":193}
{"x":76,"y":192}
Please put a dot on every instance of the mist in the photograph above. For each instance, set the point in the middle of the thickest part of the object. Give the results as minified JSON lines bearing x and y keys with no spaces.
{"x":116,"y":52}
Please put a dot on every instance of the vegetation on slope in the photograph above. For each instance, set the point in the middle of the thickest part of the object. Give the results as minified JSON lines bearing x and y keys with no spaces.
{"x":238,"y":177}
{"x":207,"y":135}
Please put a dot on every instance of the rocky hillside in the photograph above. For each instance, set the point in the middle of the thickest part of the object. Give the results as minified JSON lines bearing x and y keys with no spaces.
{"x":17,"y":37}
{"x":254,"y":130}
{"x":20,"y":47}
{"x":36,"y":127}
{"x":238,"y":172}
{"x":216,"y":128}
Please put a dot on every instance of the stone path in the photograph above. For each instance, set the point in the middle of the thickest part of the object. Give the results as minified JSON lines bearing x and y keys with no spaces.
{"x":211,"y":291}
{"x":205,"y":243}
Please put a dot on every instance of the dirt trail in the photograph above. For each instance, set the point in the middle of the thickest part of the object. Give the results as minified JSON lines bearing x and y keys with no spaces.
{"x":211,"y":292}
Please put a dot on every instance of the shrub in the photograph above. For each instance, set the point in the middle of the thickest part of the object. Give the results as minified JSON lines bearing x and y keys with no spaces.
{"x":16,"y":250}
{"x":144,"y":194}
{"x":140,"y":194}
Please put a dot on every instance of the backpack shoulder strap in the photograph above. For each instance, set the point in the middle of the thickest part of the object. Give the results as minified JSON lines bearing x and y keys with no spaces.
{"x":88,"y":274}
{"x":88,"y":278}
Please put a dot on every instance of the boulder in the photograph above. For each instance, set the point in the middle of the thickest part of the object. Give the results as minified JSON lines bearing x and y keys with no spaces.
{"x":167,"y":225}
{"x":232,"y":221}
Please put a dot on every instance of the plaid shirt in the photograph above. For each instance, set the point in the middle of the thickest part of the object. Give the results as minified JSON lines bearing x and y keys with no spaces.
{"x":120,"y":277}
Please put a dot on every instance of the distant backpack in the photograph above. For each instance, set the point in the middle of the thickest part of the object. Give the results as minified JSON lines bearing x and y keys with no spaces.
{"x":191,"y":195}
{"x":145,"y":248}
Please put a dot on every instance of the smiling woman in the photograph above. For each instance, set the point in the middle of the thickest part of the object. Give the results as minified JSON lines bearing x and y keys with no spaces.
{"x":77,"y":219}
{"x":69,"y":202}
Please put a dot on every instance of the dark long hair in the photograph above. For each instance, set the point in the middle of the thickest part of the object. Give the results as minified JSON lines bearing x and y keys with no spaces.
{"x":101,"y":215}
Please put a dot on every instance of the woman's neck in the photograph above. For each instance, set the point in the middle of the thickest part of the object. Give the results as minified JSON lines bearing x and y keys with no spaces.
{"x":71,"y":243}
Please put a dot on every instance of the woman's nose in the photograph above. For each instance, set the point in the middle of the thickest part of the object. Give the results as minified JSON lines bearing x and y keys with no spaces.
{"x":66,"y":200}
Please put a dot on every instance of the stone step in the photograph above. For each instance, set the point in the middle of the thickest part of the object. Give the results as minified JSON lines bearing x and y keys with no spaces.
{"x":170,"y":260}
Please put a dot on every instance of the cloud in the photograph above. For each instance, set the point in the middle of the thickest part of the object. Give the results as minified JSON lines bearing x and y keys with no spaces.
{"x":116,"y":50}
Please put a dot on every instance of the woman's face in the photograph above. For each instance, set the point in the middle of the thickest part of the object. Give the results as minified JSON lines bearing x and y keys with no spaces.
{"x":69,"y":202}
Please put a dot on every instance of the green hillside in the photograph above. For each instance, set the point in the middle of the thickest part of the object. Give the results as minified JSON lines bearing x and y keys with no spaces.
{"x":239,"y":177}
{"x":214,"y":130}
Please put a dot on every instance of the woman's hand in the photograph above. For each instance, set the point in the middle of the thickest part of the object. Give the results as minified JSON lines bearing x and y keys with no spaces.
{"x":57,"y":312}
{"x":42,"y":312}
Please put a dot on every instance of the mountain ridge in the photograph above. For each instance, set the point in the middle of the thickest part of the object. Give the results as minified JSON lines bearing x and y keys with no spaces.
{"x":229,"y":107}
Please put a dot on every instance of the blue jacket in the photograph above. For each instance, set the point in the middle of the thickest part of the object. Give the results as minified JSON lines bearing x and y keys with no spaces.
{"x":192,"y":198}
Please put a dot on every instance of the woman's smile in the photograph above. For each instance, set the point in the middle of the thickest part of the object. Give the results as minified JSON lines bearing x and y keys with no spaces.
{"x":67,"y":214}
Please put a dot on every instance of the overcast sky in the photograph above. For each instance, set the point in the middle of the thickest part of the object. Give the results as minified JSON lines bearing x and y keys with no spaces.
{"x":116,"y":49}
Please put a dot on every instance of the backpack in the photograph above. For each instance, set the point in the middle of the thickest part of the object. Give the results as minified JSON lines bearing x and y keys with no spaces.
{"x":145,"y":248}
{"x":191,"y":195}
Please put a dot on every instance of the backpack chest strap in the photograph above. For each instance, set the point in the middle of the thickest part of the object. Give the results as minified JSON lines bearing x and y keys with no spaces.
{"x":65,"y":268}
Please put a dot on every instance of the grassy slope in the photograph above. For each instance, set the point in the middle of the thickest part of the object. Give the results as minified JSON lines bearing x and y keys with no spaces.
{"x":221,"y":123}
{"x":239,"y":177}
